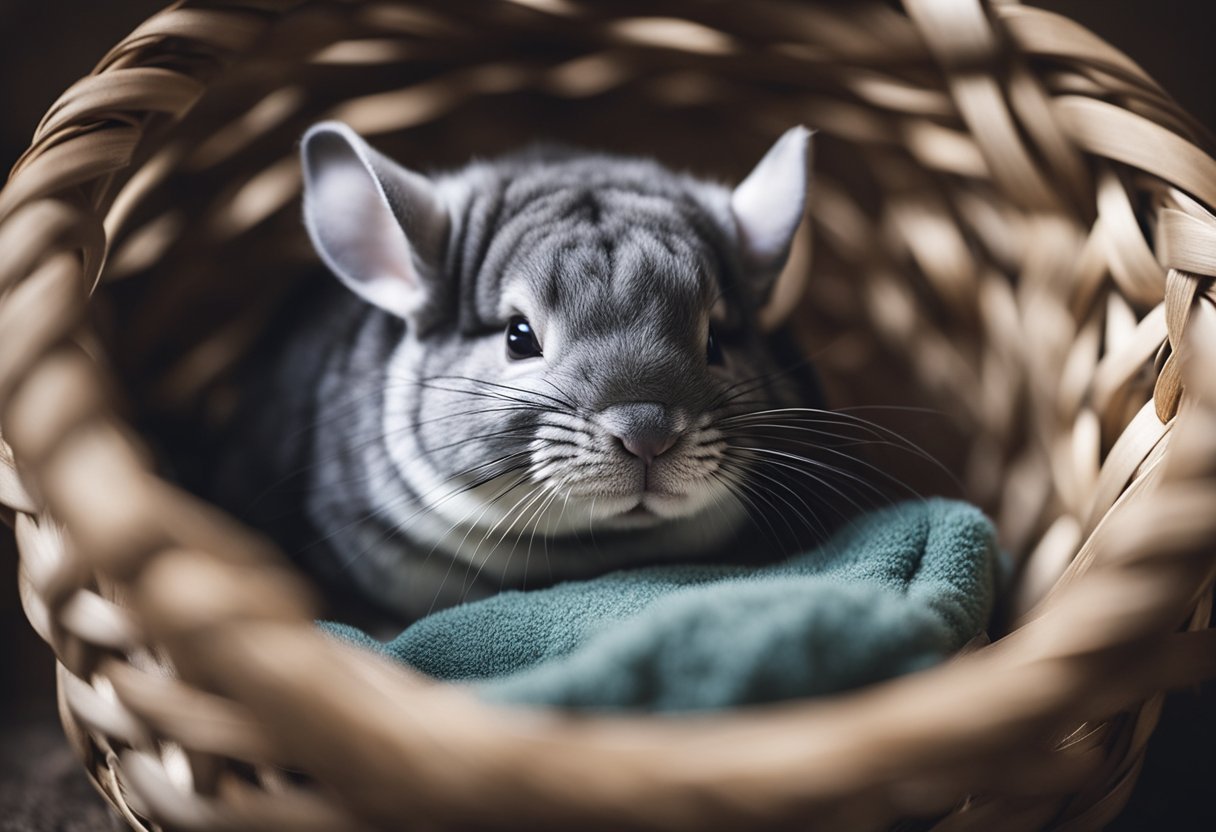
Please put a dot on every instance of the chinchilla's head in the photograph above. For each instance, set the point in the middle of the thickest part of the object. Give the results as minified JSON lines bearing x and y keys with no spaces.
{"x":580,"y":330}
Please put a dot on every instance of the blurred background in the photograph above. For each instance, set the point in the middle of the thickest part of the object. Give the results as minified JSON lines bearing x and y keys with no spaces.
{"x":45,"y":45}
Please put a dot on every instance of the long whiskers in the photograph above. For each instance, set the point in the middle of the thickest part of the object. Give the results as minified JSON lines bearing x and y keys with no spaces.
{"x":562,"y":400}
{"x":807,"y":515}
{"x":425,"y":505}
{"x":503,"y":492}
{"x":514,"y":404}
{"x":816,"y":417}
{"x":770,"y":451}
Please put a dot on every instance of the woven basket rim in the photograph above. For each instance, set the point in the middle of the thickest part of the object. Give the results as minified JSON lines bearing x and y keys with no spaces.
{"x":247,"y":650}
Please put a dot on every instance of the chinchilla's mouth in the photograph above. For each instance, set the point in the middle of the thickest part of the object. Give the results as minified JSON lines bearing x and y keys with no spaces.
{"x":653,"y":507}
{"x":638,"y":517}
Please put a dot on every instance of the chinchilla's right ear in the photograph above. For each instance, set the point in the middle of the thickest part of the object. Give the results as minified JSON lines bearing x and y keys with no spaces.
{"x":768,"y":207}
{"x":380,"y":227}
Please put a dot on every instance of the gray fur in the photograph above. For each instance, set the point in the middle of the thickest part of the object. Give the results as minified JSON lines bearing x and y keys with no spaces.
{"x":385,"y":410}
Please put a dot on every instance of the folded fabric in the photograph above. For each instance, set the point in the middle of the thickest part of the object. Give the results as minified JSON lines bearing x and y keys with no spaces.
{"x":895,"y":590}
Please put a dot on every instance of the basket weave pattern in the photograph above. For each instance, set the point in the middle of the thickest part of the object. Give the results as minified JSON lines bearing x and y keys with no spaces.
{"x":1033,"y":255}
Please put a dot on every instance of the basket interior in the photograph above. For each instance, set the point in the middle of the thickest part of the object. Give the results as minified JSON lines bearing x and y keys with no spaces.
{"x":932,"y":294}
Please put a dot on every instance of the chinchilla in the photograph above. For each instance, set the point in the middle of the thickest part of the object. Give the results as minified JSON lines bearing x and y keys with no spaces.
{"x":533,"y":368}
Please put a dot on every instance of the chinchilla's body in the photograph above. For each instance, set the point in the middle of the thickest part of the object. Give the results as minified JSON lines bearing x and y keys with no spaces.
{"x":534,"y":368}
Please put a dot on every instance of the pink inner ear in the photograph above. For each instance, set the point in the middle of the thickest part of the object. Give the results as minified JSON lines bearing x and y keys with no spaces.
{"x":769,"y":203}
{"x":352,"y":224}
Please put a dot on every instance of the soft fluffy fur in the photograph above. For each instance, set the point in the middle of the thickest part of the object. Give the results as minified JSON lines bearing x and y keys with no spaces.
{"x":412,"y":458}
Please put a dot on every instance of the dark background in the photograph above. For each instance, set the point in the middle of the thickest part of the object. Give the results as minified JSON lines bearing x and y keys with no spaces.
{"x":46,"y":45}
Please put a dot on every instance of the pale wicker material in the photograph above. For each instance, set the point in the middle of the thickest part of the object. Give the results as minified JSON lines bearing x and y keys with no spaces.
{"x":1012,"y":227}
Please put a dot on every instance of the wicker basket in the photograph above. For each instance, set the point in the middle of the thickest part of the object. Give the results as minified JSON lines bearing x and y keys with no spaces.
{"x":1011,"y":227}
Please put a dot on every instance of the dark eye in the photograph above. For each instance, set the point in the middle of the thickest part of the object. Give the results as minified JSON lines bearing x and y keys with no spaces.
{"x":713,"y":350}
{"x":521,"y":340}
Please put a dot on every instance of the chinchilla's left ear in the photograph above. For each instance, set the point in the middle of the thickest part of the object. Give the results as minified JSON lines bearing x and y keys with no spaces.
{"x":380,"y":227}
{"x":768,"y":207}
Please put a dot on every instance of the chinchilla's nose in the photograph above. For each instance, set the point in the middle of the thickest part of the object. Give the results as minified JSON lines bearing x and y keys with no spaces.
{"x":645,"y":429}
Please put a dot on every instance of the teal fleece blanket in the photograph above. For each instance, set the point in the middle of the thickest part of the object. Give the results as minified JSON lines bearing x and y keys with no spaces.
{"x":894,"y":591}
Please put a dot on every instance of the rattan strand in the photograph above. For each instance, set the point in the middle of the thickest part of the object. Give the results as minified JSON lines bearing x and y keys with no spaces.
{"x":1029,"y":253}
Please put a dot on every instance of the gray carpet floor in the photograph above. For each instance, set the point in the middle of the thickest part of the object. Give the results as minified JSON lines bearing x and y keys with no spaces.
{"x":42,"y":786}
